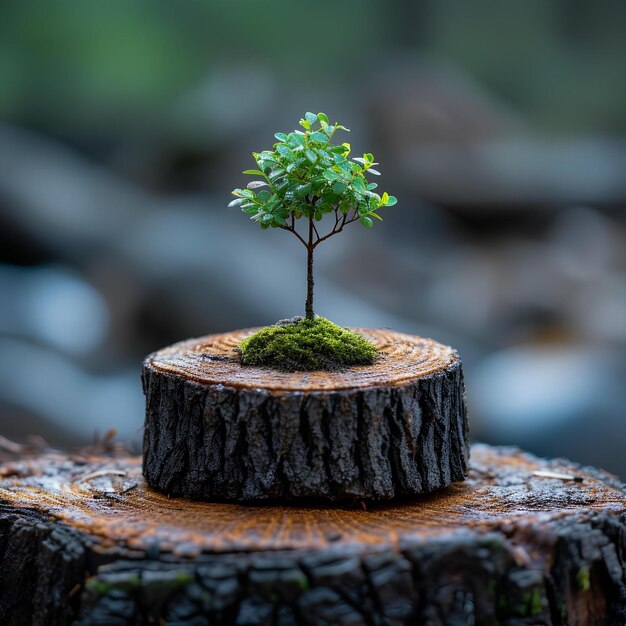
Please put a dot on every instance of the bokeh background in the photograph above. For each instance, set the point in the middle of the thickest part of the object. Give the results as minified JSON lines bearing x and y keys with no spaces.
{"x":500,"y":126}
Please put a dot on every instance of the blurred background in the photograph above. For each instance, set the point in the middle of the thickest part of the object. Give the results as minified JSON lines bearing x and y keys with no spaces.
{"x":500,"y":126}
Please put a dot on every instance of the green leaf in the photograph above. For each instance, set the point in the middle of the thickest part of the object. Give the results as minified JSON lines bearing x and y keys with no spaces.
{"x":318,"y":182}
{"x":311,"y":155}
{"x":284,"y":150}
{"x":322,"y":117}
{"x":305,"y":124}
{"x":264,"y":195}
{"x":253,"y":172}
{"x":324,"y":156}
{"x":280,"y":136}
{"x":279,"y":171}
{"x":391,"y":200}
{"x":339,"y":188}
{"x":372,"y":186}
{"x":311,"y":118}
{"x":366,"y":221}
{"x":302,"y":190}
{"x":321,"y":137}
{"x":281,"y":184}
{"x":331,"y":175}
{"x":358,"y":184}
{"x":235,"y":202}
{"x":384,"y":198}
{"x":378,"y":217}
{"x":296,"y":140}
{"x":346,"y":168}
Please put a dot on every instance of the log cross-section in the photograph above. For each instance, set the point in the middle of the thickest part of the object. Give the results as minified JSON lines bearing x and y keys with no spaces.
{"x":215,"y":429}
{"x":84,"y":541}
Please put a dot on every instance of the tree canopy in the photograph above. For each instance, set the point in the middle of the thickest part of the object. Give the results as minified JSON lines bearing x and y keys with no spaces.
{"x":308,"y":176}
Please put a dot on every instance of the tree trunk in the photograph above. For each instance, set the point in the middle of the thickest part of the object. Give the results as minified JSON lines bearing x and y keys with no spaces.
{"x":310,"y":283}
{"x":84,"y":541}
{"x":216,"y":429}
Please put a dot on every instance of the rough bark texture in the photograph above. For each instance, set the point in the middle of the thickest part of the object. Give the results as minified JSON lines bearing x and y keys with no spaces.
{"x":216,"y":429}
{"x":84,"y":541}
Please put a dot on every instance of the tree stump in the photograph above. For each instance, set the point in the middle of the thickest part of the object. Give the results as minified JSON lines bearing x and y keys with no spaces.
{"x":84,"y":540}
{"x":217,"y":429}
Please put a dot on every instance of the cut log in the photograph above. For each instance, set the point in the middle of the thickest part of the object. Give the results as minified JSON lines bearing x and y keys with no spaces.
{"x":215,"y":429}
{"x":84,"y":541}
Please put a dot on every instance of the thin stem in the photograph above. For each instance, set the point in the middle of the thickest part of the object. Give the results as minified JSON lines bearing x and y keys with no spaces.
{"x":308,"y":305}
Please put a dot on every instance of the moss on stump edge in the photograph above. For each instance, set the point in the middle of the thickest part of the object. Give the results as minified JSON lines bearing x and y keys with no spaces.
{"x":301,"y":344}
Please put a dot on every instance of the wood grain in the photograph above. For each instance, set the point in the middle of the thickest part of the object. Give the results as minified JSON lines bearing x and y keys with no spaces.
{"x":214,"y":360}
{"x":84,"y":538}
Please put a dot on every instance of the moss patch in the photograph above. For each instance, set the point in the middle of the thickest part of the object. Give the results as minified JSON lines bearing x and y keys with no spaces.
{"x":300,"y":344}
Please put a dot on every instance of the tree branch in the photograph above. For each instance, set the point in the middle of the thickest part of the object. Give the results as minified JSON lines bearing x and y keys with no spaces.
{"x":316,"y":231}
{"x":296,"y":233}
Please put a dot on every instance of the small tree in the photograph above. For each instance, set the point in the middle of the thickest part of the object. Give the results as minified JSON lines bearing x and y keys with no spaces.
{"x":306,"y":177}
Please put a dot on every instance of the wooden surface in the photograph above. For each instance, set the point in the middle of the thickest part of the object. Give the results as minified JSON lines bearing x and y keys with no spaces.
{"x":217,"y":429}
{"x":84,"y":538}
{"x":214,"y":360}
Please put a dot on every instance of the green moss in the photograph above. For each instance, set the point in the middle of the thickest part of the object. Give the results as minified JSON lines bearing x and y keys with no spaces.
{"x":301,"y":344}
{"x":536,"y":602}
{"x":583,"y":579}
{"x":532,"y":603}
{"x":123,"y":582}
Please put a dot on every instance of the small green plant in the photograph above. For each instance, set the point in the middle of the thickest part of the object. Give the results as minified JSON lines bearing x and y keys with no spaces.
{"x":304,"y":178}
{"x":307,"y":177}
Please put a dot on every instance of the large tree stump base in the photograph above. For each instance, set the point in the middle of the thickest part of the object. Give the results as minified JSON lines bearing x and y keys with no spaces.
{"x":84,"y":540}
{"x":215,"y":429}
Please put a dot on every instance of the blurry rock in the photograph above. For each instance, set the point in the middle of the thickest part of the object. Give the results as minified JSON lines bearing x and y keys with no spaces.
{"x":434,"y":104}
{"x":584,"y":242}
{"x":44,"y":383}
{"x":554,"y":400}
{"x":456,"y":143}
{"x":53,"y":306}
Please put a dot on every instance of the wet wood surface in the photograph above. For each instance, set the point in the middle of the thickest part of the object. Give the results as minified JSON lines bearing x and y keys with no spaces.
{"x":217,"y":429}
{"x":523,"y":540}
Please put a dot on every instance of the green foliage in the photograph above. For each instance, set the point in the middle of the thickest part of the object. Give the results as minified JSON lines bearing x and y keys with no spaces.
{"x":308,"y":176}
{"x":306,"y":344}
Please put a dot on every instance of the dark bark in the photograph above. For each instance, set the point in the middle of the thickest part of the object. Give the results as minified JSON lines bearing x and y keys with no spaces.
{"x":381,"y":441}
{"x":310,"y":283}
{"x":83,"y":541}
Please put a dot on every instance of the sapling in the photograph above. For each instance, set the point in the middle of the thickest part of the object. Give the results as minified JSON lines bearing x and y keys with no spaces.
{"x":309,"y":185}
